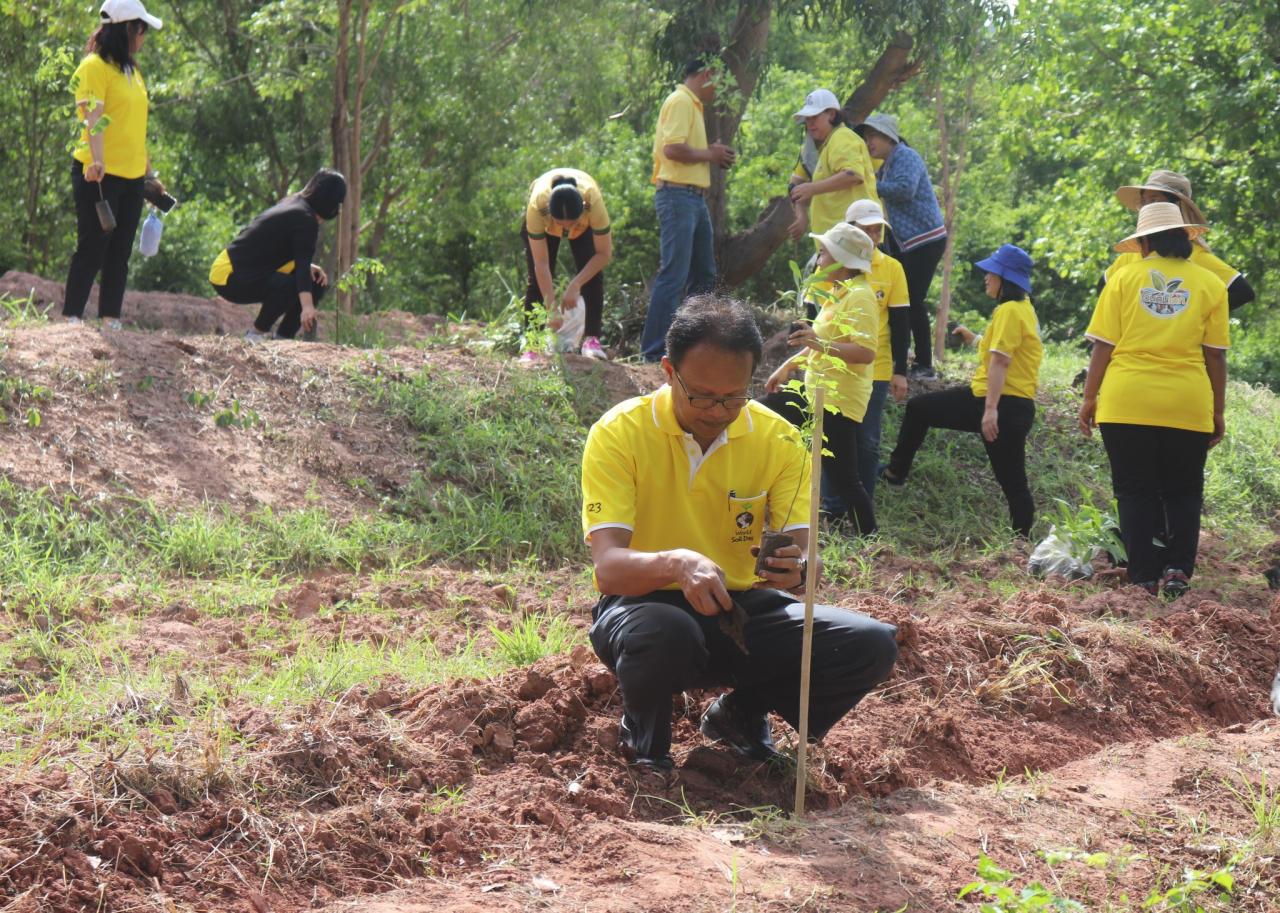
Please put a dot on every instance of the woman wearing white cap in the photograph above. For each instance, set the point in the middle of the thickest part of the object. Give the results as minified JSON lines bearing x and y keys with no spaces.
{"x":111,"y":162}
{"x":919,"y":232}
{"x":1170,"y":187}
{"x":1156,"y":389}
{"x":843,"y":172}
{"x":841,"y":347}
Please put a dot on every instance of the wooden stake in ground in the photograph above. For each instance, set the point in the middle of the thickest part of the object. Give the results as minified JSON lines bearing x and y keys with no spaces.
{"x":810,"y":586}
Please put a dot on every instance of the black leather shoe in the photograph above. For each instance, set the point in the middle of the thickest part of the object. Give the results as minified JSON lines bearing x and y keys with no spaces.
{"x":626,"y":738}
{"x":748,"y":735}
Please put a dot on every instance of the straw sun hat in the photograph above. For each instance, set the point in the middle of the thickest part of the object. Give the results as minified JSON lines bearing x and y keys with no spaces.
{"x":1163,"y":182}
{"x":1157,"y":217}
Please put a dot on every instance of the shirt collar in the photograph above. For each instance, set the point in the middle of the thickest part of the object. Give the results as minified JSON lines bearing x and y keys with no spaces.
{"x":664,"y":416}
{"x":696,"y":100}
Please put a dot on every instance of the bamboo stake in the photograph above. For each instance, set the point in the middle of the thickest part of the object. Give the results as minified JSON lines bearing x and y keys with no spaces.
{"x":810,"y":587}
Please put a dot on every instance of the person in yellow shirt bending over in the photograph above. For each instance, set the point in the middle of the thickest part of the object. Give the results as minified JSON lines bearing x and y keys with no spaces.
{"x":843,"y":173}
{"x":1156,"y":389}
{"x":110,"y":163}
{"x":566,"y":203}
{"x":1171,"y":187}
{"x":677,"y":488}
{"x":1000,"y":402}
{"x":838,"y":351}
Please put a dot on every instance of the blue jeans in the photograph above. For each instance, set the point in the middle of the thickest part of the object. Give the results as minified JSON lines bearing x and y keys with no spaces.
{"x":688,"y":262}
{"x":868,"y":451}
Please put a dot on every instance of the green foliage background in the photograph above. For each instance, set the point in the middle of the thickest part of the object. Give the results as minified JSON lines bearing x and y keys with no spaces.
{"x":1064,"y":100}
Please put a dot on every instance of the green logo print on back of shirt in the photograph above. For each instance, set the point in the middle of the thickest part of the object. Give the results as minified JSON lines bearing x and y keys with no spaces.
{"x":1167,"y":298}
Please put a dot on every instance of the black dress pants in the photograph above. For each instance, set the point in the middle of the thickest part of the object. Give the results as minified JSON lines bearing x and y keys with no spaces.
{"x":958,"y":409}
{"x":919,"y":264}
{"x":278,"y":295}
{"x":659,"y":646}
{"x":840,"y":467}
{"x":1157,"y":475}
{"x":583,"y":248}
{"x":99,"y":251}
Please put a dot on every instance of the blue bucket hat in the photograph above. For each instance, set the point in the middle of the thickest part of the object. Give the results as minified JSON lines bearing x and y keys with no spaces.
{"x":1009,"y":262}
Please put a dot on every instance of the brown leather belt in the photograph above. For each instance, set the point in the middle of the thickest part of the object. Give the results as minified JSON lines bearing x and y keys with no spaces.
{"x":693,"y":187}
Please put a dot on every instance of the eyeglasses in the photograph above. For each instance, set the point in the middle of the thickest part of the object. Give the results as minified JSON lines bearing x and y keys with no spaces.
{"x":707,"y":402}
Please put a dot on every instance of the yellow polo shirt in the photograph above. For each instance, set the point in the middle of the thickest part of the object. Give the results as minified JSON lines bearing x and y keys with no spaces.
{"x":1014,"y":331}
{"x":843,"y":150}
{"x":1158,"y":312}
{"x":889,"y":283}
{"x":537,"y":216}
{"x":1200,"y":256}
{"x":643,"y":473}
{"x":124,"y":101}
{"x":681,"y":121}
{"x":221,"y":270}
{"x":848,"y":314}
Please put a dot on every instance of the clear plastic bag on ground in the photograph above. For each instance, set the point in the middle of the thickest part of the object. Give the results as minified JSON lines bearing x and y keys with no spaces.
{"x":569,"y":334}
{"x":1053,"y":556}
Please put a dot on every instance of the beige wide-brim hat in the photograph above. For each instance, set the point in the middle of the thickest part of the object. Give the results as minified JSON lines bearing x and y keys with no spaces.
{"x":1154,"y":218}
{"x":1165,"y":182}
{"x":848,"y":245}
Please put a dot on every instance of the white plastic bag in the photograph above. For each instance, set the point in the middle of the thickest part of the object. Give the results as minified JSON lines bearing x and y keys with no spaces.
{"x":569,"y":334}
{"x":1053,"y":556}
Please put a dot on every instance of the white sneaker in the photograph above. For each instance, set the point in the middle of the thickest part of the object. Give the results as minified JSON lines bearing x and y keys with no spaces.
{"x":112,"y":323}
{"x":75,"y":321}
{"x":591,"y":348}
{"x":253,"y":337}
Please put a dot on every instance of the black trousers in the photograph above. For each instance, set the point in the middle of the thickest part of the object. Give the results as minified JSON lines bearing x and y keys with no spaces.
{"x":278,"y":295}
{"x":919,"y":264}
{"x":583,"y":248}
{"x":99,"y":251}
{"x":1157,"y":475}
{"x":659,"y":646}
{"x":840,"y":467}
{"x":958,"y":409}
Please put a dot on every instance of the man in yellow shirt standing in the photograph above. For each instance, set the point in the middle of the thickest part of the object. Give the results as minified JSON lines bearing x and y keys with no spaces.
{"x":682,"y":163}
{"x":677,"y":488}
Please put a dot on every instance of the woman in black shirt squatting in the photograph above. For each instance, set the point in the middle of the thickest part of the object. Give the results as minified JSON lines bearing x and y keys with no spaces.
{"x":261,"y":265}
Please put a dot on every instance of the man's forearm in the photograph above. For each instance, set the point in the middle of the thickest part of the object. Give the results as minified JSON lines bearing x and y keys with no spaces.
{"x":629,"y":572}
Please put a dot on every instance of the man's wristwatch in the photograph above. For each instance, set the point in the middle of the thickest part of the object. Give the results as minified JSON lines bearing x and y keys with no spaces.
{"x":804,"y":571}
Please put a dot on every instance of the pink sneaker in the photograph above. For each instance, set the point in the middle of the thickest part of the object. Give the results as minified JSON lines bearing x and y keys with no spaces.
{"x":591,"y":348}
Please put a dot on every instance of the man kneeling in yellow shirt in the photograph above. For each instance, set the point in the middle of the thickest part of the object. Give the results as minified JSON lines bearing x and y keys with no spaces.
{"x":677,"y":488}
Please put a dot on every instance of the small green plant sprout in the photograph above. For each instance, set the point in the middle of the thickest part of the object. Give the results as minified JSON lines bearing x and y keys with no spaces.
{"x":236,"y":416}
{"x":33,"y":417}
{"x":1089,"y":530}
{"x":533,"y":637}
{"x":1186,"y":895}
{"x":198,"y":399}
{"x":1262,"y":802}
{"x":996,"y":885}
{"x":22,"y":310}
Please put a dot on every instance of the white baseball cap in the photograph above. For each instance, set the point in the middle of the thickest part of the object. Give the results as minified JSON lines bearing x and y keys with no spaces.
{"x":816,"y":102}
{"x":127,"y":11}
{"x":865,"y":212}
{"x":848,"y":245}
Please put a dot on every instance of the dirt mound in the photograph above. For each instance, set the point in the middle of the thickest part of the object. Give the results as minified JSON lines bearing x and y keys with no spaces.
{"x":399,"y":783}
{"x":187,"y":315}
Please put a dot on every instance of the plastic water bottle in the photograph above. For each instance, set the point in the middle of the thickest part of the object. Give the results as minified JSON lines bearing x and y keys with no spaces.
{"x":149,"y":240}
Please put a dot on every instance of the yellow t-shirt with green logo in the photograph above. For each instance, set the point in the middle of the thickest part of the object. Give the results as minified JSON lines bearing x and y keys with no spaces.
{"x":849,"y":314}
{"x":1199,"y":256}
{"x":889,"y":283}
{"x":843,"y":150}
{"x":124,"y":100}
{"x":1159,"y":312}
{"x":642,"y":472}
{"x":537,"y":216}
{"x":681,"y":121}
{"x":1014,"y":331}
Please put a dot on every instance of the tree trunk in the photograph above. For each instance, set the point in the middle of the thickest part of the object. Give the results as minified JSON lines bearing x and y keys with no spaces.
{"x":344,"y":244}
{"x":953,"y":162}
{"x":744,"y":254}
{"x":744,"y":58}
